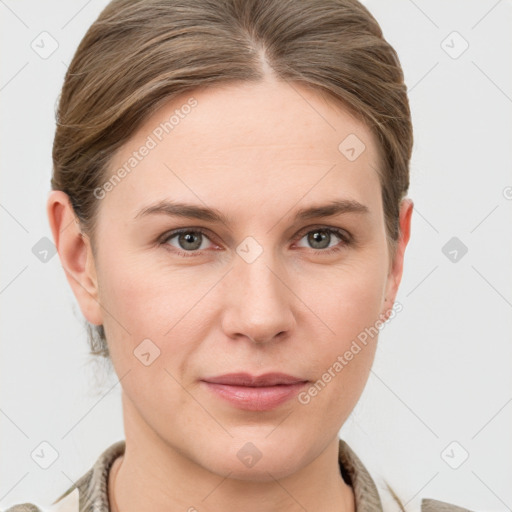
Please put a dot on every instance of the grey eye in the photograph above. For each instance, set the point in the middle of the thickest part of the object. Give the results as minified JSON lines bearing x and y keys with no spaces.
{"x":319,"y":238}
{"x":189,"y":240}
{"x":322,"y":238}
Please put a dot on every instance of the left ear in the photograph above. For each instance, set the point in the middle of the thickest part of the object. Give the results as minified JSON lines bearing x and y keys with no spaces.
{"x":397,"y":265}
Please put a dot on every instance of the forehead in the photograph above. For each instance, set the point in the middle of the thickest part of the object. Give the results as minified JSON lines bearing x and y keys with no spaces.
{"x":243,"y":146}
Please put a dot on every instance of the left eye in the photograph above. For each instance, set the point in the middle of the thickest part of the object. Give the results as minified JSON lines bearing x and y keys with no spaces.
{"x":321,"y":238}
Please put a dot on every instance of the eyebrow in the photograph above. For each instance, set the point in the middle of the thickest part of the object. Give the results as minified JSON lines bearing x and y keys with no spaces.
{"x":191,"y":211}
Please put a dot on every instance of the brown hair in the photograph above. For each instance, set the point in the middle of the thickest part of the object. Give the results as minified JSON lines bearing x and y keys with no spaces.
{"x":139,"y":54}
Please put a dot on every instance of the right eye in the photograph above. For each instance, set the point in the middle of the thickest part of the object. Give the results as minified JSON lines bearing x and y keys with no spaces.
{"x":187,"y":242}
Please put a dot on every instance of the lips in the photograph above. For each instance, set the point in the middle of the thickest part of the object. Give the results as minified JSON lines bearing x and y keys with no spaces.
{"x":245,"y":379}
{"x":255,"y":393}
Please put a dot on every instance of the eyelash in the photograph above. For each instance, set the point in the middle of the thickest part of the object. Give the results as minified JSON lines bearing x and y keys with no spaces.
{"x":346,"y":239}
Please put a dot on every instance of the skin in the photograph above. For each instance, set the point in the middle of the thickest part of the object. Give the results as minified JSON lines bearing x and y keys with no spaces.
{"x":244,"y":149}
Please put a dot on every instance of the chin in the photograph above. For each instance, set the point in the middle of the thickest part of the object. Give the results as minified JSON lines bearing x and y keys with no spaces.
{"x":263,"y":471}
{"x":255,"y":458}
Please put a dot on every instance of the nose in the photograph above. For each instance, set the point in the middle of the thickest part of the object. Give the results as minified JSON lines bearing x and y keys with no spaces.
{"x":259,"y":303}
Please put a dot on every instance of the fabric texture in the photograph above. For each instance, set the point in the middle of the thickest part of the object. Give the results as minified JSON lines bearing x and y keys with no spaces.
{"x":90,"y":492}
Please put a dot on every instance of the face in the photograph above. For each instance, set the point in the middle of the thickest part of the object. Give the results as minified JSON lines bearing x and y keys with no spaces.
{"x":254,"y":287}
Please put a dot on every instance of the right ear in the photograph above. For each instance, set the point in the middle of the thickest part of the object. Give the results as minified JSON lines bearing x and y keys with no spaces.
{"x":75,"y":254}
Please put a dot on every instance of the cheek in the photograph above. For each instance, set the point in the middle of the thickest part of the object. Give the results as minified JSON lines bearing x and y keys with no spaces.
{"x":144,"y":302}
{"x":346,"y":298}
{"x":143,"y":298}
{"x":348,"y":308}
{"x":147,"y":342}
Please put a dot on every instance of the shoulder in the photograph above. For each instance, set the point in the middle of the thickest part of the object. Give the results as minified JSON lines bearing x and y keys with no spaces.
{"x":88,"y":492}
{"x":367,"y":496}
{"x":70,"y":503}
{"x":24,"y":507}
{"x":430,"y":505}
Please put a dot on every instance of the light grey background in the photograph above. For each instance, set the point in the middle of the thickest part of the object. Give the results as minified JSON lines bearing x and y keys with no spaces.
{"x":443,"y":367}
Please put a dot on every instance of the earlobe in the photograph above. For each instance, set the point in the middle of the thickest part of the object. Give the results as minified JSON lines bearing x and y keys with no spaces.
{"x":75,"y":254}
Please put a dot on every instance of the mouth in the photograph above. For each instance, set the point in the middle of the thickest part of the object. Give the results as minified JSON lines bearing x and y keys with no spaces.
{"x":255,"y":393}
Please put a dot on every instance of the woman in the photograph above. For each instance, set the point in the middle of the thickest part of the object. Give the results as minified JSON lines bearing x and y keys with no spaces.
{"x":229,"y":206}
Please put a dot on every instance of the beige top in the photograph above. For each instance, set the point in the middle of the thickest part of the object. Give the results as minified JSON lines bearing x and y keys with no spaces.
{"x":90,"y":492}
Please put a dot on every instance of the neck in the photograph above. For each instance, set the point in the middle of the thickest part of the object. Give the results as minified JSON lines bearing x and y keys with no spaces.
{"x":153,"y":476}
